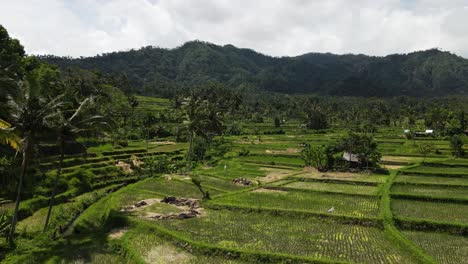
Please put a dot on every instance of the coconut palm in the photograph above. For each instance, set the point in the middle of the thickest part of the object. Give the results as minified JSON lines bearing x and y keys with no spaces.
{"x":201,"y":120}
{"x":69,"y":124}
{"x":31,"y":113}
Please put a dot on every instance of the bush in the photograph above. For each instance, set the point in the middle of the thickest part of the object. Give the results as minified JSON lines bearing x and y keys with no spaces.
{"x":274,"y":132}
{"x":200,"y":147}
{"x":4,"y":224}
{"x":122,"y":143}
{"x":315,"y":157}
{"x":181,"y":134}
{"x":234,"y":129}
{"x":158,"y":164}
{"x":81,"y":180}
{"x":244,"y":152}
{"x":316,"y":119}
{"x":456,"y":145}
{"x":28,"y":207}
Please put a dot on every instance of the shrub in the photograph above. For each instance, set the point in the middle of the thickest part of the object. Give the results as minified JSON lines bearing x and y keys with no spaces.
{"x":316,"y":119}
{"x":425,"y":149}
{"x":274,"y":132}
{"x":456,"y":145}
{"x":314,"y":156}
{"x":81,"y":180}
{"x":244,"y":152}
{"x":200,"y":148}
{"x":181,"y":134}
{"x":160,"y":164}
{"x":4,"y":224}
{"x":234,"y":129}
{"x":28,"y":207}
{"x":101,"y":148}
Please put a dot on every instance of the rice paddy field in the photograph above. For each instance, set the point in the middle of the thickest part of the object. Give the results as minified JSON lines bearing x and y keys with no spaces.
{"x":413,"y":212}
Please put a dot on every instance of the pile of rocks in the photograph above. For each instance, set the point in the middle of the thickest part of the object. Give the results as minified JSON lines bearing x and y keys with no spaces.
{"x":242,"y":181}
{"x":125,"y":167}
{"x":136,"y":161}
{"x":133,"y":207}
{"x":193,"y":204}
{"x":183,"y":215}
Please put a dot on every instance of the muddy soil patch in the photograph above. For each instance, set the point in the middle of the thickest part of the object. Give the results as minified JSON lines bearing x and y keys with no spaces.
{"x":189,"y":208}
{"x":274,"y":175}
{"x":264,"y":190}
{"x":117,"y":233}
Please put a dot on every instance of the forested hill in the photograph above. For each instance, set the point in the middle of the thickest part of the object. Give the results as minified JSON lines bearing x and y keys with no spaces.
{"x":158,"y":71}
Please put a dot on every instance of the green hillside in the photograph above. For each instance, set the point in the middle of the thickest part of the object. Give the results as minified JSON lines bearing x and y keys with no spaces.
{"x":160,"y":71}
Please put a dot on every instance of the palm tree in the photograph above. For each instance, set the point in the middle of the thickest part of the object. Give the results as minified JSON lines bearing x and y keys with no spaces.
{"x":68,"y":128}
{"x":201,"y":119}
{"x":31,"y":113}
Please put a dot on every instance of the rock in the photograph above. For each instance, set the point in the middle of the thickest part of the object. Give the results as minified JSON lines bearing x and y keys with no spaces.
{"x":141,"y":203}
{"x":192,"y":203}
{"x":169,"y":200}
{"x":128,"y":208}
{"x":125,"y":167}
{"x":242,"y":181}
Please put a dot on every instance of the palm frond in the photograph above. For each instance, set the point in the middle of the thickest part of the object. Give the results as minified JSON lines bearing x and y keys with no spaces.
{"x":8,"y":135}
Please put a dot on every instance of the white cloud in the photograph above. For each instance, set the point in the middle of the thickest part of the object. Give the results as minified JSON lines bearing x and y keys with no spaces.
{"x":275,"y":27}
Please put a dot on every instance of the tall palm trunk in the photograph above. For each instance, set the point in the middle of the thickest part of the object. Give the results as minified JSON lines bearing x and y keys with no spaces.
{"x":57,"y":177}
{"x":24,"y":167}
{"x":189,"y":154}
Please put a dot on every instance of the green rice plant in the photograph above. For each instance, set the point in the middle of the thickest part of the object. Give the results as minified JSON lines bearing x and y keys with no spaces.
{"x":433,"y":211}
{"x":101,"y":148}
{"x":124,"y":151}
{"x":281,"y":182}
{"x":98,"y":214}
{"x":219,"y":183}
{"x":446,"y":192}
{"x":456,"y":162}
{"x":444,"y":248}
{"x":432,"y":180}
{"x":314,"y":202}
{"x":333,"y":187}
{"x":179,"y":188}
{"x":62,"y":214}
{"x":390,"y":230}
{"x":234,"y":168}
{"x":78,"y":249}
{"x":151,"y":247}
{"x":442,"y":171}
{"x":321,"y":239}
{"x":355,"y":178}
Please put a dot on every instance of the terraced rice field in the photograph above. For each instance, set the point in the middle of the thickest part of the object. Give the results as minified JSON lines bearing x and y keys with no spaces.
{"x":287,"y":213}
{"x":308,"y":237}
{"x":432,"y":180}
{"x":372,"y":179}
{"x":319,"y":203}
{"x":444,"y":248}
{"x":333,"y":187}
{"x":439,"y":212}
{"x":432,"y":191}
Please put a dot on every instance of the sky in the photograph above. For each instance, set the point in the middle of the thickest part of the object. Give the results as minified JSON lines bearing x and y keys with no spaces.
{"x":274,"y":27}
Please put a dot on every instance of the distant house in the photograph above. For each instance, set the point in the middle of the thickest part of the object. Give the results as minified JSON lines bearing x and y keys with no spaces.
{"x":351,"y":157}
{"x":427,"y":132}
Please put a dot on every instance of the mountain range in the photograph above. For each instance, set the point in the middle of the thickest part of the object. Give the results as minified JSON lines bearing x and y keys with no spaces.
{"x":155,"y":71}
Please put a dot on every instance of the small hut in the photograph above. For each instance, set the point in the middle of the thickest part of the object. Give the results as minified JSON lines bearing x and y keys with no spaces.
{"x":351,"y":157}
